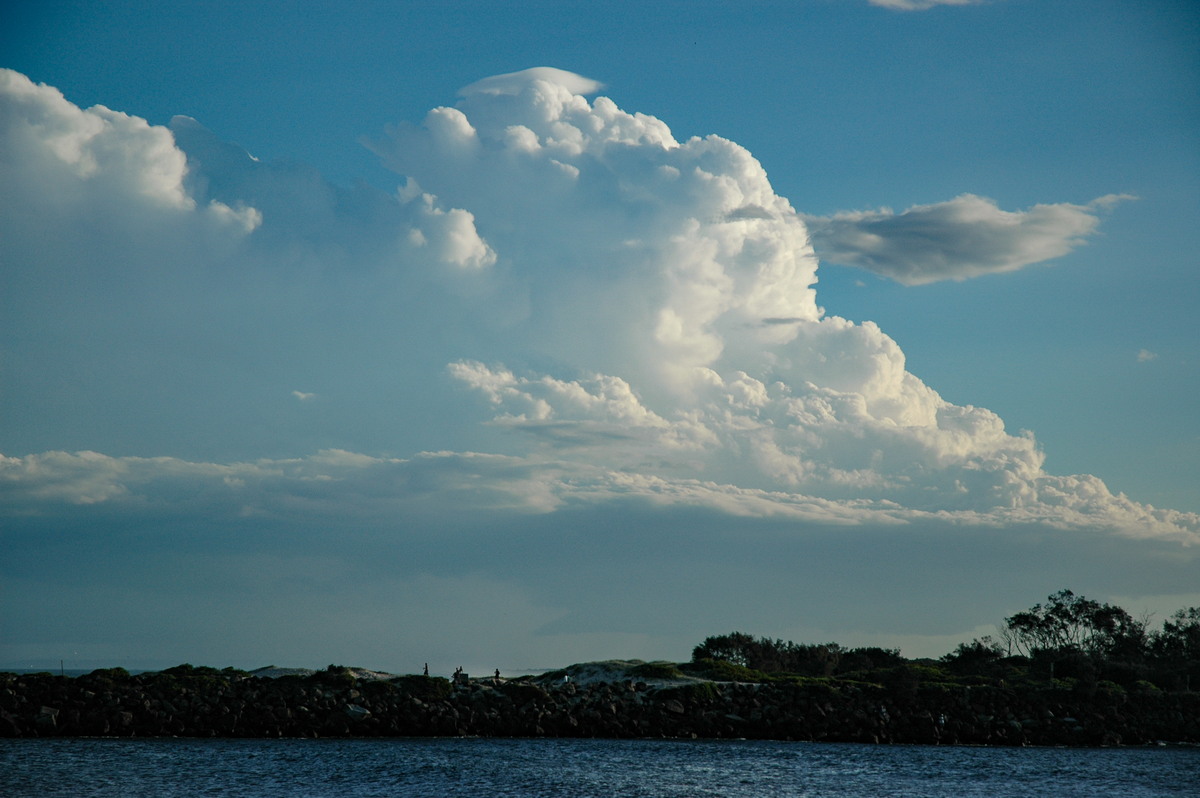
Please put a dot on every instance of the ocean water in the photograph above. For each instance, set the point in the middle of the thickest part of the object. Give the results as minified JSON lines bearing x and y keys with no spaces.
{"x":441,"y":768}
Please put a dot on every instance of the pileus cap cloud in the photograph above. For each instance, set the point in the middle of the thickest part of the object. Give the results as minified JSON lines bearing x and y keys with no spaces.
{"x":516,"y":82}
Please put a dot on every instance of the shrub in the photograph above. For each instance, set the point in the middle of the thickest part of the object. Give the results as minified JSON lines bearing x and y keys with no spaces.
{"x":721,"y":671}
{"x":203,"y":670}
{"x":770,"y":656}
{"x":816,"y":686}
{"x":336,"y":676}
{"x":656,"y":670}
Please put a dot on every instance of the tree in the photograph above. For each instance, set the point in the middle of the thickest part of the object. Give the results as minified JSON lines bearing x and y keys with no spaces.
{"x":978,"y":656}
{"x":1073,"y":623}
{"x":1180,"y":636}
{"x":1176,"y":649}
{"x":735,"y":647}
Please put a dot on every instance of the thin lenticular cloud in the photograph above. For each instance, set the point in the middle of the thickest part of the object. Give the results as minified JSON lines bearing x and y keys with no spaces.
{"x":966,"y":237}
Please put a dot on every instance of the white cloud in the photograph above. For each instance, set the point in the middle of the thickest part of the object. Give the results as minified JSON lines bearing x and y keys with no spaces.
{"x":330,"y":226}
{"x":966,"y":237}
{"x":1145,"y":356}
{"x":632,"y":247}
{"x":458,"y":243}
{"x":516,"y":82}
{"x":77,"y":156}
{"x":455,"y":488}
{"x":644,"y":304}
{"x":635,"y":315}
{"x":161,"y":285}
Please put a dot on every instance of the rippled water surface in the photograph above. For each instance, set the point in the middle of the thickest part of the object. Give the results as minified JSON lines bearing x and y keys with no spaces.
{"x":577,"y":768}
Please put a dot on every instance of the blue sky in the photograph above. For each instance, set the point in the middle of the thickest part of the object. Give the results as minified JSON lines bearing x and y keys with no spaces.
{"x":347,"y":373}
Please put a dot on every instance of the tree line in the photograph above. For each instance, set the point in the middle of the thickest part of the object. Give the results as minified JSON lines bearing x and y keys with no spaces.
{"x":1067,"y":637}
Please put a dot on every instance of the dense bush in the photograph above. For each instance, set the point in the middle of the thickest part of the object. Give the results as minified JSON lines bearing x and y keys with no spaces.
{"x":771,"y":656}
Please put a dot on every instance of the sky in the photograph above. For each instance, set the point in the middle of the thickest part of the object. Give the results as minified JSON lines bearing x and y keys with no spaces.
{"x":386,"y":334}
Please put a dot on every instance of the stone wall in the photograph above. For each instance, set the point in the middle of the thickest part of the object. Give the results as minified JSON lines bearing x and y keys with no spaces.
{"x":233,"y":704}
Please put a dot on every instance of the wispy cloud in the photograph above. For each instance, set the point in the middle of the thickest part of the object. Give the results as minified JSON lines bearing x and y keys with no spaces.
{"x":968,"y":236}
{"x":1145,"y":355}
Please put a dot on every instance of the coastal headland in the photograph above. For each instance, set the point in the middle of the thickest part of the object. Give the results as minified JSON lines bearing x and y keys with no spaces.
{"x":618,"y":699}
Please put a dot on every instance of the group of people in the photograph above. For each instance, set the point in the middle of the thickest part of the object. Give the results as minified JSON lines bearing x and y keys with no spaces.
{"x":459,"y":674}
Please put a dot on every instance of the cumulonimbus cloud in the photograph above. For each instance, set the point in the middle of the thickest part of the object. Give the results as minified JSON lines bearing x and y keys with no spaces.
{"x":615,"y":296}
{"x":571,"y":368}
{"x":968,"y":236}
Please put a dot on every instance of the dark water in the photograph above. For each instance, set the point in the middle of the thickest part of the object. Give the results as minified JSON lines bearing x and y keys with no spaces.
{"x":440,"y":768}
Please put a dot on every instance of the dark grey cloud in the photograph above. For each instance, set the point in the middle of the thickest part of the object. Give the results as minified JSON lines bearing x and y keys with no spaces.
{"x":968,"y":236}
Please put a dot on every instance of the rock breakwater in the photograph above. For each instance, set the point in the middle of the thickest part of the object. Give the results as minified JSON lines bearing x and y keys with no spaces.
{"x":204,"y":702}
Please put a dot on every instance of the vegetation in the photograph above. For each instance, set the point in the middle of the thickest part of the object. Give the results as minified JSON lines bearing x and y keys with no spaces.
{"x":1073,"y":623}
{"x":722,"y":671}
{"x":778,"y":656}
{"x":1070,"y":641}
{"x":656,"y":670}
{"x":1069,"y":671}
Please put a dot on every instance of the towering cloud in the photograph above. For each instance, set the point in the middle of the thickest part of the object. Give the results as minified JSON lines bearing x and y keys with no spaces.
{"x":672,"y":290}
{"x":614,"y":296}
{"x":561,"y":313}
